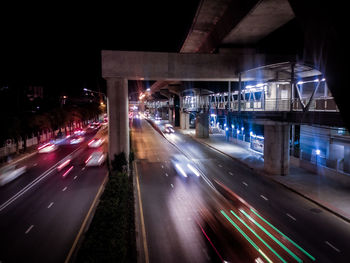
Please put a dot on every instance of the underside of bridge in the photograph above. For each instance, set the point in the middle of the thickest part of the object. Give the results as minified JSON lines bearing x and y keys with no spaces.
{"x":274,"y":43}
{"x":309,"y":33}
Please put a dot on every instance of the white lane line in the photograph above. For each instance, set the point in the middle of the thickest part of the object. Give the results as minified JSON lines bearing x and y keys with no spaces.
{"x":50,"y":205}
{"x":35,"y":164}
{"x":64,"y":189}
{"x":292,"y":217}
{"x":245,"y":183}
{"x":166,"y":174}
{"x":75,"y":177}
{"x":83,"y":168}
{"x":220,"y":165}
{"x":162,"y":166}
{"x":30,"y":228}
{"x":264,"y":197}
{"x":34,"y":182}
{"x":172,"y":185}
{"x":332,"y":246}
{"x":230,"y":173}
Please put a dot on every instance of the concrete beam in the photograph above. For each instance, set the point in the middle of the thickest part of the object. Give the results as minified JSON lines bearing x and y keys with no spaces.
{"x":137,"y":65}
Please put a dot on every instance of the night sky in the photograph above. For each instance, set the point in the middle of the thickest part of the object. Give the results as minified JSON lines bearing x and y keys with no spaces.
{"x":58,"y":44}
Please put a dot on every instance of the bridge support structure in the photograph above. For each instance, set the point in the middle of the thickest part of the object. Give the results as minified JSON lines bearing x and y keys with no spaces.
{"x":202,"y":125}
{"x":276,"y":148}
{"x":118,"y":117}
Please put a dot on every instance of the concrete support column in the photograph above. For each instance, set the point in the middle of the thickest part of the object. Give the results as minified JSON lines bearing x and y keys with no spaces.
{"x":118,"y":117}
{"x":170,"y":115}
{"x":164,"y":112}
{"x":276,"y":149}
{"x":184,"y":120}
{"x":202,"y":125}
{"x":346,"y":165}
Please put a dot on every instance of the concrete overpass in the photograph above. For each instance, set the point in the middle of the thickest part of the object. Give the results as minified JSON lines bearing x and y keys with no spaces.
{"x":225,"y":35}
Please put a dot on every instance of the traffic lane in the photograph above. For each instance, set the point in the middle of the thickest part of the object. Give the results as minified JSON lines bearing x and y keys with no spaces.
{"x":171,"y":231}
{"x":281,"y":206}
{"x":261,"y":231}
{"x":57,"y":209}
{"x":197,"y":199}
{"x":178,"y":208}
{"x":37,"y":165}
{"x":171,"y":204}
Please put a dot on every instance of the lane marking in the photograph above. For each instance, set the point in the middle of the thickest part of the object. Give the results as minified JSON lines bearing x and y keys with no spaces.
{"x":162,"y":167}
{"x":85,"y":221}
{"x":75,"y":177}
{"x":34,"y":182}
{"x":35,"y":164}
{"x":220,"y":165}
{"x":264,"y":197}
{"x":230,"y":173}
{"x":292,"y":217}
{"x":166,"y":174}
{"x":172,"y":185}
{"x":64,"y":189}
{"x":50,"y":205}
{"x":332,"y":246}
{"x":145,"y":248}
{"x":30,"y":228}
{"x":245,"y":183}
{"x":83,"y":168}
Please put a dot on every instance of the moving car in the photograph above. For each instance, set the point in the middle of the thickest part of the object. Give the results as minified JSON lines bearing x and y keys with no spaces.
{"x":168,"y":128}
{"x":184,"y":166}
{"x":77,"y":140}
{"x":48,"y":147}
{"x":11,"y":172}
{"x":96,"y":142}
{"x":96,"y":159}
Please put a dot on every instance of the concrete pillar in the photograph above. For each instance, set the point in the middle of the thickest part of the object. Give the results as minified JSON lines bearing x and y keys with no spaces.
{"x":184,"y":120}
{"x":276,"y":149}
{"x":202,"y":125}
{"x":164,"y":112}
{"x":170,"y":115}
{"x":346,"y":165}
{"x":118,"y":117}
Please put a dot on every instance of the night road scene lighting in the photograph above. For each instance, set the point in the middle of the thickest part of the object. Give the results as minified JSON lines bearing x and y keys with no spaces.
{"x":174,"y":131}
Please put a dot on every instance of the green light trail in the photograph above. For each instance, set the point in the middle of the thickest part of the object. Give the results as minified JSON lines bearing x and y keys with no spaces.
{"x":251,"y":230}
{"x":244,"y":234}
{"x":272,"y":237}
{"x":295,"y":244}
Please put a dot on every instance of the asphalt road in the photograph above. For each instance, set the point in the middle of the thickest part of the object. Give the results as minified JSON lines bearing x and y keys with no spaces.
{"x":178,"y":209}
{"x":42,"y":211}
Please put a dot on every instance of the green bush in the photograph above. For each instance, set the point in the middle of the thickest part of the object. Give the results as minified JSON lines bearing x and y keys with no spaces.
{"x":111,"y":236}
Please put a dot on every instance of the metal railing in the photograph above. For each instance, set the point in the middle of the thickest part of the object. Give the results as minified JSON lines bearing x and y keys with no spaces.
{"x":318,"y":104}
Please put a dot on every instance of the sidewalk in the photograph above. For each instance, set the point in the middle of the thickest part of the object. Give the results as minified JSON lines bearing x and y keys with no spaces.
{"x":329,"y":193}
{"x":16,"y":157}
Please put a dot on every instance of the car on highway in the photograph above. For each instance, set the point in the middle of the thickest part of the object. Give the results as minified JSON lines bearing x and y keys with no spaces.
{"x":96,"y":159}
{"x":10,"y":173}
{"x":96,"y":142}
{"x":168,"y":128}
{"x":77,"y":140}
{"x":47,"y":147}
{"x":184,"y":166}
